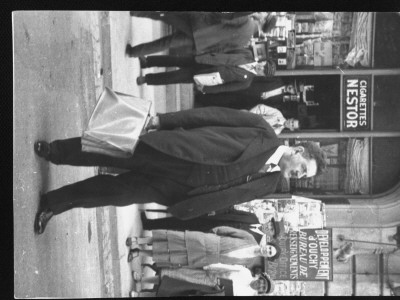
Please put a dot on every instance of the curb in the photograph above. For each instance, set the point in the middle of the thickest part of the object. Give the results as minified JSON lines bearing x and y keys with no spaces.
{"x":107,"y":216}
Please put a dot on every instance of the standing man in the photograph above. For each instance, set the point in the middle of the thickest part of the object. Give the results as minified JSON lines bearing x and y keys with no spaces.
{"x":205,"y":32}
{"x":235,"y":69}
{"x":275,"y":118}
{"x":263,"y":90}
{"x":233,"y":218}
{"x":197,"y":161}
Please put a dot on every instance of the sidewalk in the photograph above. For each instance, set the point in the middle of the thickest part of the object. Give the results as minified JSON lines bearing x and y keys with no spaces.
{"x":119,"y":73}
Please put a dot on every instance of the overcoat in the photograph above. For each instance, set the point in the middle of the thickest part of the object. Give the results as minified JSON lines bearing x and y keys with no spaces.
{"x":222,"y":143}
{"x":197,"y":249}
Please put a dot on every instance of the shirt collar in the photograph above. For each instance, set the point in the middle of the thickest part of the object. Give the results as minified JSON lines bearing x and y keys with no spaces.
{"x":276,"y":157}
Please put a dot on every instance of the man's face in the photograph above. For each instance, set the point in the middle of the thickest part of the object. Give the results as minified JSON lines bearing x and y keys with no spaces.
{"x":295,"y":165}
{"x":290,"y":89}
{"x":258,"y":284}
{"x":260,"y":68}
{"x":292,"y":124}
{"x":268,"y":228}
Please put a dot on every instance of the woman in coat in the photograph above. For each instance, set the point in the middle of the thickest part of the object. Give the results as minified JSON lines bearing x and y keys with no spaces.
{"x":195,"y":249}
{"x":243,"y":282}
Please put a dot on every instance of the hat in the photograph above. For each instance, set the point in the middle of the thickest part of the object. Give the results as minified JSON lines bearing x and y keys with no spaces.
{"x":271,"y":284}
{"x":278,"y":227}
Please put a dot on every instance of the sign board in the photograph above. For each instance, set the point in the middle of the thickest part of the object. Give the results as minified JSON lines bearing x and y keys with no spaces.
{"x":306,"y":255}
{"x":356,"y":102}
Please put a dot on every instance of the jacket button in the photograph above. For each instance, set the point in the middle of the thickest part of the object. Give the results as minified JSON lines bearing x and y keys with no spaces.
{"x":245,"y":76}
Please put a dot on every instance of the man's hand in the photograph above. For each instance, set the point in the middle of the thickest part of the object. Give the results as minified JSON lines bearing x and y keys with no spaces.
{"x":153,"y":124}
{"x":200,"y":88}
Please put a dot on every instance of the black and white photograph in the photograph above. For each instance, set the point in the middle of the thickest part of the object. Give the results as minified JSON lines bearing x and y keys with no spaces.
{"x":161,"y":153}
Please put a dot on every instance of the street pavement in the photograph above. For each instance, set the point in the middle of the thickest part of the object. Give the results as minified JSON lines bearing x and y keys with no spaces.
{"x":62,"y":61}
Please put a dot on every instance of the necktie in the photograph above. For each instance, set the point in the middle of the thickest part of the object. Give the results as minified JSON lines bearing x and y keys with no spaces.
{"x":266,"y":167}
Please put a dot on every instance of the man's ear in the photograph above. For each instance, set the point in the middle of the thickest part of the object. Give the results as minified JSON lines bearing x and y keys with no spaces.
{"x":299,"y":149}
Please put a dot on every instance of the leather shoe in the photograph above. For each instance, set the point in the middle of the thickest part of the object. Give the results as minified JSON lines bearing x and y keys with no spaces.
{"x":41,"y":220}
{"x":143,"y":62}
{"x":42,"y":149}
{"x":43,"y":216}
{"x":129,"y":50}
{"x":141,"y":80}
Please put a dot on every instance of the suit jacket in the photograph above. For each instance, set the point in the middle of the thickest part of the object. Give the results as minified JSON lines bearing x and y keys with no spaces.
{"x":234,"y":77}
{"x":245,"y":98}
{"x":212,"y":35}
{"x":223,"y":145}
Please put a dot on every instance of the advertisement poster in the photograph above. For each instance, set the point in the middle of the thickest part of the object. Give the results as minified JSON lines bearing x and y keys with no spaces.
{"x":356,"y":103}
{"x":296,"y":212}
{"x":306,"y":255}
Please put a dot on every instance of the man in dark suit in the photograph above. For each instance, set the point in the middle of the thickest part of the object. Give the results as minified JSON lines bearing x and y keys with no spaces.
{"x":263,"y":90}
{"x":195,"y":162}
{"x":231,"y":217}
{"x":236,"y":68}
{"x":205,"y":32}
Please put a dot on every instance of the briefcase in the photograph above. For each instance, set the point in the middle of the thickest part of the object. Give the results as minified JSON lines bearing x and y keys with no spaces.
{"x":116,"y":124}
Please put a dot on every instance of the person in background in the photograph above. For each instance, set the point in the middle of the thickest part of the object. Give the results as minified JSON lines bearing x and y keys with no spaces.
{"x":243,"y":282}
{"x":275,"y":118}
{"x":235,"y":69}
{"x":195,"y":249}
{"x":263,"y":90}
{"x":233,"y":218}
{"x":204,"y":32}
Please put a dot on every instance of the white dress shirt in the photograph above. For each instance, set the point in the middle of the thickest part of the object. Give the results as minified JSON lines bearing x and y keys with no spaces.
{"x":272,"y":93}
{"x":251,"y":67}
{"x":272,"y":115}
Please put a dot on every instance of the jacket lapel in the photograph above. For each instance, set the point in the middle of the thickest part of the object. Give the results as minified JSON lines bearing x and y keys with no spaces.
{"x":206,"y":201}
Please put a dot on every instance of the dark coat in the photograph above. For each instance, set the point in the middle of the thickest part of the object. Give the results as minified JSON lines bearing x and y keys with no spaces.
{"x":171,"y":287}
{"x":212,"y":34}
{"x":223,"y":144}
{"x":246,"y":98}
{"x":232,"y":218}
{"x":196,"y":249}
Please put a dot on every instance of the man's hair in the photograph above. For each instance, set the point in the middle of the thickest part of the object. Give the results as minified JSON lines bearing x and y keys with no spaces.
{"x":269,"y":68}
{"x":269,"y":23}
{"x":278,"y":251}
{"x":269,"y":287}
{"x":313,"y":151}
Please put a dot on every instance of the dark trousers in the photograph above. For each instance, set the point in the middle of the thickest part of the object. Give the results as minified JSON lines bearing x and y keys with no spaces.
{"x":182,"y":38}
{"x":153,"y":177}
{"x":187,"y":64}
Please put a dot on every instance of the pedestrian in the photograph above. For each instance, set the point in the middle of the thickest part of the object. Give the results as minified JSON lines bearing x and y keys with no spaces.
{"x":243,"y":282}
{"x":275,"y":118}
{"x":194,"y":161}
{"x":204,"y":32}
{"x":263,"y":90}
{"x":233,"y":218}
{"x":195,"y":249}
{"x":225,"y":72}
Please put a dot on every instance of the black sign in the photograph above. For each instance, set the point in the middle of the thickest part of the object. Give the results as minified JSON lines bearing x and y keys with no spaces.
{"x":356,"y":102}
{"x":306,"y":255}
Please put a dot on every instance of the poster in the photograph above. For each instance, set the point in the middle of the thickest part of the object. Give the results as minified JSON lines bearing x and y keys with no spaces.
{"x":306,"y":255}
{"x":356,"y":102}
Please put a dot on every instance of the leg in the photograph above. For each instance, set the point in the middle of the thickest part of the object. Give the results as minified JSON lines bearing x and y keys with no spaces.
{"x":69,"y":152}
{"x":175,"y":40}
{"x":179,"y":20}
{"x":138,"y":241}
{"x":173,"y":77}
{"x":122,"y":190}
{"x":151,"y":279}
{"x":170,"y":61}
{"x":137,"y":252}
{"x":153,"y":267}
